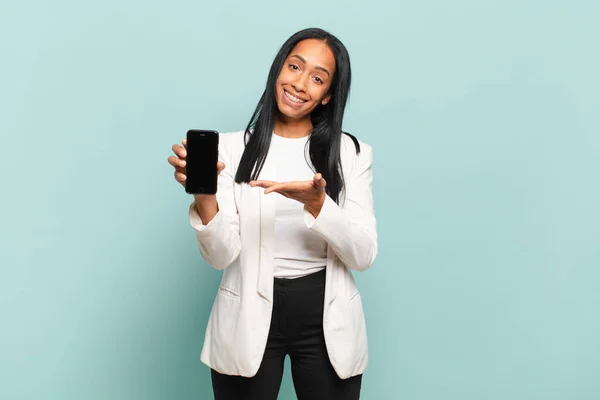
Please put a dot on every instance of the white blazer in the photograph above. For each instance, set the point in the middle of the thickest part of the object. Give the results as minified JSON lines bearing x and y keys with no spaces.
{"x":240,"y":241}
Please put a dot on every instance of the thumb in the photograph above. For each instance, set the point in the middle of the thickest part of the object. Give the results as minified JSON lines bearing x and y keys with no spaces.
{"x":319,"y":182}
{"x":220,"y":167}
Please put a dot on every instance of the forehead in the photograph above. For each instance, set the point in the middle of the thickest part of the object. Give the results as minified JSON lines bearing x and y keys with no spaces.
{"x":315,"y":52}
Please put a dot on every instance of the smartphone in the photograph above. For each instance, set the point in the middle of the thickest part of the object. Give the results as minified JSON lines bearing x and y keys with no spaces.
{"x":201,"y":161}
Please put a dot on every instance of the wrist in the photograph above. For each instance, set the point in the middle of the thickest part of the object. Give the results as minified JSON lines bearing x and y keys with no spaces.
{"x":206,"y":206}
{"x":202,"y":200}
{"x":314,"y":208}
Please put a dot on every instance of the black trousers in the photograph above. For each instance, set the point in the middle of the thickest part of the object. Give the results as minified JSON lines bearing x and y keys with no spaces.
{"x":296,"y":330}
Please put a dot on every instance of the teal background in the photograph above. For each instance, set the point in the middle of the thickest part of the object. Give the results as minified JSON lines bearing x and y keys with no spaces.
{"x":484,"y":120}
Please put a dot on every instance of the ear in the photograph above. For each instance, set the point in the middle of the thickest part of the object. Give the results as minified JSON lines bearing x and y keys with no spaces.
{"x":326,"y":99}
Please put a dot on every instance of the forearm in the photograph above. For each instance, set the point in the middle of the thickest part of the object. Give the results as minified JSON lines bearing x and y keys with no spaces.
{"x":206,"y":206}
{"x":354,"y":240}
{"x":218,"y":239}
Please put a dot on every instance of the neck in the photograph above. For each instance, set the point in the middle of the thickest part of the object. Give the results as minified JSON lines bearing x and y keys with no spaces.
{"x":288,"y":128}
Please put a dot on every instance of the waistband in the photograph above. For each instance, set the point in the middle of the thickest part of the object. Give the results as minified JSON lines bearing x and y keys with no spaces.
{"x":311,"y":281}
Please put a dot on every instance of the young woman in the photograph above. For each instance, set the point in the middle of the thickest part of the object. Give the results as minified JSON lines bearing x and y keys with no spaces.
{"x":293,"y":215}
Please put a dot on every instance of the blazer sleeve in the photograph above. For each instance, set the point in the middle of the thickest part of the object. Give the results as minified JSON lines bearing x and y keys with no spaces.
{"x":219,"y":240}
{"x":351,"y":230}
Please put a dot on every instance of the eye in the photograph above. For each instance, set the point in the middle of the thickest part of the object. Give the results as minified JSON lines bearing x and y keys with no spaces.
{"x":319,"y":80}
{"x":294,"y":67}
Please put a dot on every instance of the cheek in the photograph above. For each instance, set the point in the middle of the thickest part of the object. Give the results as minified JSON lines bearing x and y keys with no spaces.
{"x":284,"y":76}
{"x":278,"y":84}
{"x":319,"y":92}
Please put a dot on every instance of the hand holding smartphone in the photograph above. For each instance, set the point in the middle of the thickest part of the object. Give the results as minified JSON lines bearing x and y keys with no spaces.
{"x":197,"y":168}
{"x":196,"y":163}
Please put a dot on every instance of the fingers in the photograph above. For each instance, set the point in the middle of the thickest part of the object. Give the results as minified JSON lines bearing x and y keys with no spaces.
{"x":270,"y":186}
{"x":176,"y":162}
{"x":180,"y":177}
{"x":263,"y":184}
{"x":179,"y":151}
{"x":275,"y":188}
{"x":184,"y":142}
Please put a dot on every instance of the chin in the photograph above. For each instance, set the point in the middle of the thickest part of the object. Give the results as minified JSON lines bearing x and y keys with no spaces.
{"x":294,"y":115}
{"x":291,"y":113}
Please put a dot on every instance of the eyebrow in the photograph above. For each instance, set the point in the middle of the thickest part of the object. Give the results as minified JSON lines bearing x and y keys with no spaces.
{"x":317,"y":67}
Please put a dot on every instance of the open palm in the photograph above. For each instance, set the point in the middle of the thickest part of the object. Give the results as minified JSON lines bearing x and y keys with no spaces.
{"x":309,"y":193}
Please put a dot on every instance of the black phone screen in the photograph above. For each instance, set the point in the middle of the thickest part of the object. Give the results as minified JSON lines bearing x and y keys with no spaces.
{"x":201,"y":162}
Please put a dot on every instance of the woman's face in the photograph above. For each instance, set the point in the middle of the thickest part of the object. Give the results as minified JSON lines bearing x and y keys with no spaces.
{"x":305,"y":79}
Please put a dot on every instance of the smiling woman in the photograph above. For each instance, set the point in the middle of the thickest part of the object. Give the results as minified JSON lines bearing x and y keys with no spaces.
{"x":287,"y":251}
{"x":304,"y":83}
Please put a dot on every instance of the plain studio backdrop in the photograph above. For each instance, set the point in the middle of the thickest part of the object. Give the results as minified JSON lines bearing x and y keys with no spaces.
{"x":483,"y":116}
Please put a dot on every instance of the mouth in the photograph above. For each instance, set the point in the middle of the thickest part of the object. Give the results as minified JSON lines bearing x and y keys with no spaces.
{"x":293,"y":99}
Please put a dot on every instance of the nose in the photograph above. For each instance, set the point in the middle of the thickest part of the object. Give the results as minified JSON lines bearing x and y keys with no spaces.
{"x":300,"y":83}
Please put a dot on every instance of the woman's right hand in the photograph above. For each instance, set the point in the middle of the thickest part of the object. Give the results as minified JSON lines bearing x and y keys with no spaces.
{"x":205,"y":203}
{"x":178,"y":161}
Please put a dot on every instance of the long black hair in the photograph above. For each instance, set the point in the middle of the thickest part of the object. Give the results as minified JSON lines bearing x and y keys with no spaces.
{"x":326,"y":136}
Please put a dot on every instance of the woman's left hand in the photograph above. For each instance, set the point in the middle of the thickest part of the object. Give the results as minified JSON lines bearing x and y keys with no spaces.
{"x":310,"y":193}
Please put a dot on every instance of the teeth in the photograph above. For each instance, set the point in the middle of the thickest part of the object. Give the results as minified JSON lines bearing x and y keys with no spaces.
{"x":293,"y":98}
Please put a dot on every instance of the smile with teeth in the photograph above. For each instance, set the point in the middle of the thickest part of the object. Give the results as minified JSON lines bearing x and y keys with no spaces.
{"x":293,"y":98}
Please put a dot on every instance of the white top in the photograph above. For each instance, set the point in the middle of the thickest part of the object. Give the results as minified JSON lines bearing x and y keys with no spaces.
{"x":299,"y":251}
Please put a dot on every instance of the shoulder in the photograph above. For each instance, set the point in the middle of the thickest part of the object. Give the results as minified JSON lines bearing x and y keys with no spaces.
{"x":232,"y":143}
{"x":232,"y":139}
{"x":231,"y":147}
{"x":355,"y":148}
